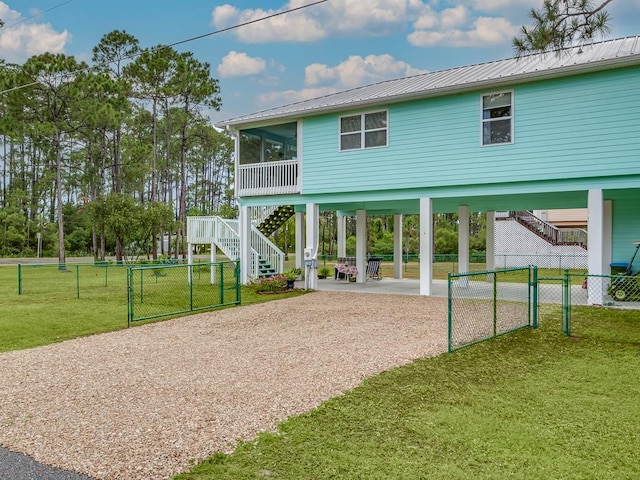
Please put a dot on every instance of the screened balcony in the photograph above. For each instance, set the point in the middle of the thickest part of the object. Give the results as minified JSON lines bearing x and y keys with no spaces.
{"x":268,"y":163}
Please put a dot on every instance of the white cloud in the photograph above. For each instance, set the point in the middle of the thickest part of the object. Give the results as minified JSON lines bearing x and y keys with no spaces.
{"x":338,"y":17}
{"x":433,"y":22}
{"x":483,"y":31}
{"x":291,"y":96}
{"x":356,"y":71}
{"x":293,"y":27}
{"x":239,"y":64}
{"x":504,"y":5}
{"x":19,"y":42}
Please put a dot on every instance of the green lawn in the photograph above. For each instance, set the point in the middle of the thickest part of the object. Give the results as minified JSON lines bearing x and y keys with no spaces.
{"x":532,"y":404}
{"x":50,"y":311}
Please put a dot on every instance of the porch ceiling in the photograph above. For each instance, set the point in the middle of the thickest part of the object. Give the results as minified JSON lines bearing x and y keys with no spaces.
{"x":535,"y":201}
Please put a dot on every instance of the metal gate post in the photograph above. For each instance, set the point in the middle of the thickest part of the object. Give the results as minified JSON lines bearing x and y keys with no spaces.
{"x":566,"y":307}
{"x":534,"y":300}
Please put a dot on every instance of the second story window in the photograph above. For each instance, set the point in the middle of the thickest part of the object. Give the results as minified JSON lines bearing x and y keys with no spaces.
{"x":497,"y":118}
{"x":366,"y":130}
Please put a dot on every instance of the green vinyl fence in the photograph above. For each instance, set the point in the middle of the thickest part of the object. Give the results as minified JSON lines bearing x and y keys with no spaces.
{"x":483,"y":305}
{"x":164,"y":290}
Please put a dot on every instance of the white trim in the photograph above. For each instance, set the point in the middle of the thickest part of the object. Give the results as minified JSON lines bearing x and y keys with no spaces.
{"x":363,"y":131}
{"x":485,"y":120}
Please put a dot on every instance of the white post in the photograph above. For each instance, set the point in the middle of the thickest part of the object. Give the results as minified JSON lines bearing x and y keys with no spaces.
{"x":313,"y":219}
{"x":463,"y":244}
{"x":397,"y":246}
{"x":426,"y":246}
{"x":595,"y":239}
{"x":212,"y":260}
{"x":342,"y":236}
{"x":299,"y":218}
{"x":189,"y":262}
{"x":361,"y":244}
{"x":490,"y":262}
{"x":244,"y":230}
{"x":607,"y":239}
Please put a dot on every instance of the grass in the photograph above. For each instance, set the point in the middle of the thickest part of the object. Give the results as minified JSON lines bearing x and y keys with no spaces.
{"x":49,"y":311}
{"x":532,"y":404}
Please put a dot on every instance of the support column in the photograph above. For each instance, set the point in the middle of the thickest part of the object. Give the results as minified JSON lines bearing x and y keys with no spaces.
{"x":397,"y":246}
{"x":189,"y":261}
{"x":361,"y":244}
{"x":213,"y":260}
{"x":595,"y":239}
{"x":299,"y":219}
{"x":607,"y":238}
{"x":342,"y":236}
{"x":463,"y":243}
{"x":244,"y":230}
{"x":313,"y":221}
{"x":490,"y":262}
{"x":426,"y":246}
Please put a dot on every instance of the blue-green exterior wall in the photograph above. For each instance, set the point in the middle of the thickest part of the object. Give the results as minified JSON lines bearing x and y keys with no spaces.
{"x":585,"y":126}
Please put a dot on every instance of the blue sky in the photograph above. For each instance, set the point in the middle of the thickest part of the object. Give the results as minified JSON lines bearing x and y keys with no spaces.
{"x":333,"y":46}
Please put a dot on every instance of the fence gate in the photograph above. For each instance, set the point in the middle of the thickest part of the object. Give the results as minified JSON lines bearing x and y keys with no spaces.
{"x":483,"y":305}
{"x":163,"y":290}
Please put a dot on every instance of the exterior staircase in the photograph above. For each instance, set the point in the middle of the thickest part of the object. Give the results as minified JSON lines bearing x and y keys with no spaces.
{"x":273,"y":219}
{"x":546,"y":231}
{"x":266,"y":258}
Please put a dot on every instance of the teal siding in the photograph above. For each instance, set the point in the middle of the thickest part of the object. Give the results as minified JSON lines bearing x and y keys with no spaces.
{"x":577,"y":127}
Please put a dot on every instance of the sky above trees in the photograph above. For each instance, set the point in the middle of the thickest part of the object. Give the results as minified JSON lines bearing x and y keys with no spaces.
{"x":333,"y":46}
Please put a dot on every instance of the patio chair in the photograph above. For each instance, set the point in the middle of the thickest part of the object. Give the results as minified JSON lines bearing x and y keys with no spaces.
{"x":373,"y":267}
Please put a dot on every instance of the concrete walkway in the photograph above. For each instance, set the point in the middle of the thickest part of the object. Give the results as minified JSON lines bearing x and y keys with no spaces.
{"x":403,"y":286}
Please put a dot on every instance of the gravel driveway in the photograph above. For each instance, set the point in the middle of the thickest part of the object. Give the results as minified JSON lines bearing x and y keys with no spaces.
{"x":144,"y":403}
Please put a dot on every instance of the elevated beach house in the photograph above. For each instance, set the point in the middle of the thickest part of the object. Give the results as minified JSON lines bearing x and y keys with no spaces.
{"x":559,"y":130}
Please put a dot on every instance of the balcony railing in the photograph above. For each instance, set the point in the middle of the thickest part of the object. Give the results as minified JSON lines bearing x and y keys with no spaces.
{"x":269,"y":178}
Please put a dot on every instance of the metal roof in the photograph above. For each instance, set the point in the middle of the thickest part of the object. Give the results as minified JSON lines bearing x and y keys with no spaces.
{"x":592,"y":57}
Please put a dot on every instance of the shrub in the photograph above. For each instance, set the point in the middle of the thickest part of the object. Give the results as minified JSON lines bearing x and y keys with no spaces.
{"x":274,"y":283}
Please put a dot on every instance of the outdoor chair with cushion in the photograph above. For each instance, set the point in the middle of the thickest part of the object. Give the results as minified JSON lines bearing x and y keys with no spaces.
{"x":373,"y":267}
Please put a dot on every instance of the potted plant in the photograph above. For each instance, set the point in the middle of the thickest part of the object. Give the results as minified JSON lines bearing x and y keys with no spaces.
{"x":291,"y":276}
{"x":324,"y":271}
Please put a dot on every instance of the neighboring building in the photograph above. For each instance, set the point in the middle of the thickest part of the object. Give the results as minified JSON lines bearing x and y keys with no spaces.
{"x":565,"y":217}
{"x":546,"y":238}
{"x":548,"y":131}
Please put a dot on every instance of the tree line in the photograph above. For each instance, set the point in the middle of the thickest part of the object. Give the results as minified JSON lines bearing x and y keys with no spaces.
{"x":111,"y":155}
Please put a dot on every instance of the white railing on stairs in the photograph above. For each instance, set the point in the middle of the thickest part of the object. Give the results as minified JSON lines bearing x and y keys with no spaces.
{"x":260,"y":214}
{"x":224,"y":233}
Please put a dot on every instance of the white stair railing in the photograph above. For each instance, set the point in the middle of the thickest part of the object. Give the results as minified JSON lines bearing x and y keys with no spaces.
{"x":223,"y":232}
{"x":260,"y":214}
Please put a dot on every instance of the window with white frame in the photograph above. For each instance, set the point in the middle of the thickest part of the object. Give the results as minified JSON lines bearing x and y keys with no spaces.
{"x":497,"y":118}
{"x":365,"y":130}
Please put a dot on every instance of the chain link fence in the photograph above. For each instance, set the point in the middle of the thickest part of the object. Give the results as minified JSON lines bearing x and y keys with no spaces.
{"x":164,"y":290}
{"x":483,"y":305}
{"x":75,"y":279}
{"x":571,"y":297}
